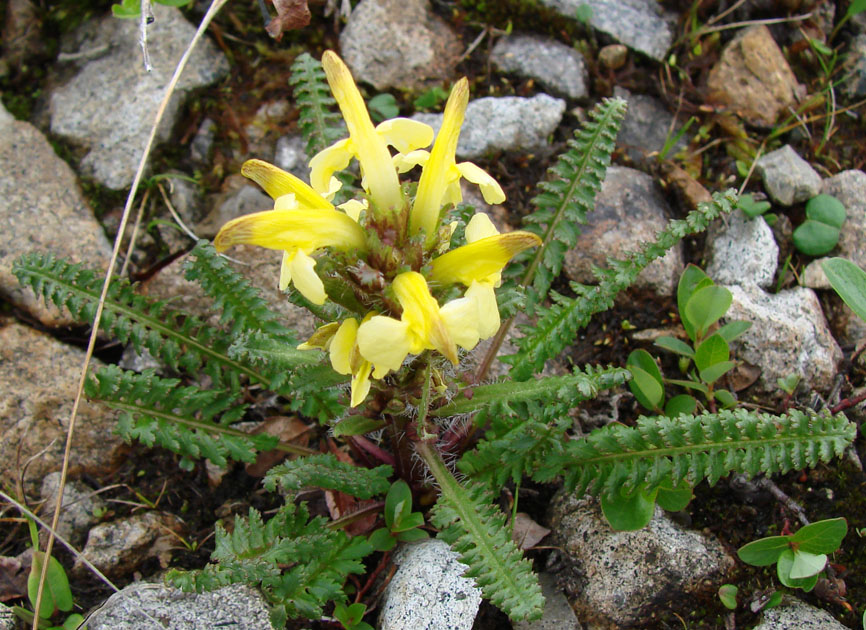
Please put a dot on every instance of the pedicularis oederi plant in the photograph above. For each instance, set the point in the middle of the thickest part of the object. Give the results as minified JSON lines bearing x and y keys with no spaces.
{"x":407,"y":280}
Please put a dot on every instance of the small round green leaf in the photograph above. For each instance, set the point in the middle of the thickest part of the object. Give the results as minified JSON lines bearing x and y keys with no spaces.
{"x":674,"y":499}
{"x":726,"y":398}
{"x":707,"y":306}
{"x":783,"y":571}
{"x":712,"y":350}
{"x":826,"y":209}
{"x":728,"y":596}
{"x":680,"y":405}
{"x":646,"y":383}
{"x":628,"y":513}
{"x":382,"y":540}
{"x":763,"y":552}
{"x":807,"y":564}
{"x":814,"y":238}
{"x":692,"y":279}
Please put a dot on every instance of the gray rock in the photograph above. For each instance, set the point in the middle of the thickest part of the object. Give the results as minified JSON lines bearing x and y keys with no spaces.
{"x":8,"y":620}
{"x":259,"y":266}
{"x":855,"y":85}
{"x":788,"y":178}
{"x":41,"y":209}
{"x":147,"y":606}
{"x":789,"y":335}
{"x":80,"y":506}
{"x":629,"y":210}
{"x":202,"y":143}
{"x":507,"y":123}
{"x":849,"y":187}
{"x":554,"y":65}
{"x":642,"y":25}
{"x":428,"y":591}
{"x":646,"y":126}
{"x":263,"y":130}
{"x":118,"y":548}
{"x":108,"y":106}
{"x":616,"y":579}
{"x":794,"y":614}
{"x":813,"y":276}
{"x":40,"y":378}
{"x":753,"y":78}
{"x":290,"y":155}
{"x":558,"y":614}
{"x":398,"y":43}
{"x":742,"y":251}
{"x":244,"y":199}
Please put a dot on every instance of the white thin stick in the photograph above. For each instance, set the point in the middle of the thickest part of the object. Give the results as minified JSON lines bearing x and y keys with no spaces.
{"x":146,"y":14}
{"x":215,"y":6}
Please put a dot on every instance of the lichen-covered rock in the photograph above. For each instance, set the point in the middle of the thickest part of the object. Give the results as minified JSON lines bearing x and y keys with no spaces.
{"x":80,"y":507}
{"x":616,"y":579}
{"x":789,"y":335}
{"x":742,"y":251}
{"x":398,"y":43}
{"x":40,"y":378}
{"x":646,"y":126}
{"x":849,"y":187}
{"x":629,"y":210}
{"x":41,"y":209}
{"x":794,"y":614}
{"x":109,"y":104}
{"x":428,"y":591}
{"x":753,"y":78}
{"x":788,"y":178}
{"x":505,"y":123}
{"x":554,"y":65}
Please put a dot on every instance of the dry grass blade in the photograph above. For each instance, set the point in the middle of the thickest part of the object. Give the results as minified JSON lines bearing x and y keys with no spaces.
{"x":215,"y":6}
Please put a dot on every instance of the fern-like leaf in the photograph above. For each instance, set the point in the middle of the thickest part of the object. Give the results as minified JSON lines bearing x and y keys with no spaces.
{"x":181,"y":341}
{"x":325,"y":471}
{"x":300,"y":563}
{"x":693,"y":448}
{"x":569,"y":193}
{"x":558,"y":325}
{"x":477,"y":531}
{"x":241,"y":304}
{"x":319,"y":125}
{"x":159,"y":411}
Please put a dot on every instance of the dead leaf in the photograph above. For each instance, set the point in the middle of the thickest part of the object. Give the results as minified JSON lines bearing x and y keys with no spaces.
{"x":288,"y":430}
{"x":291,"y":14}
{"x":743,"y":375}
{"x":526,"y":533}
{"x":13,"y":579}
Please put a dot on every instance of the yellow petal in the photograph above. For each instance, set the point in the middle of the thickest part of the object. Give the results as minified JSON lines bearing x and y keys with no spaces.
{"x":421,"y":312}
{"x":461,"y":320}
{"x":342,"y":345}
{"x":285,"y":271}
{"x":404,"y":162}
{"x":384,"y":342}
{"x":353,"y":208}
{"x":405,"y":134}
{"x":370,"y":149}
{"x":436,"y":174}
{"x":480,"y":226}
{"x":361,"y":383}
{"x":305,"y":278}
{"x":328,"y":161}
{"x":290,"y":229}
{"x":277,"y":182}
{"x":480,"y":260}
{"x":321,"y":339}
{"x":286,"y":202}
{"x":486,"y":308}
{"x":490,"y":188}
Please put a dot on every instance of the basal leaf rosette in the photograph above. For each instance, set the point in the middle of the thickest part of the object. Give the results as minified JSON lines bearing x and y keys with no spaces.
{"x":387,"y":253}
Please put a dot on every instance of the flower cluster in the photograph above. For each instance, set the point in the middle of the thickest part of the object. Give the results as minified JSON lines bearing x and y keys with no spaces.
{"x":389,"y":248}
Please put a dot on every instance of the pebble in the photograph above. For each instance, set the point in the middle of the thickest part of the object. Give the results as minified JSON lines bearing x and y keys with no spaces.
{"x":742,"y":251}
{"x":794,"y":614}
{"x":629,"y":210}
{"x":849,"y":187}
{"x":646,"y":127}
{"x":428,"y":591}
{"x":558,"y":613}
{"x":8,"y":620}
{"x":505,"y":123}
{"x":613,"y":56}
{"x":753,"y":79}
{"x":788,"y":178}
{"x":398,"y":43}
{"x":554,"y":65}
{"x":642,"y":25}
{"x":290,"y":155}
{"x":109,"y":105}
{"x":855,"y":85}
{"x":617,"y":579}
{"x":80,"y":510}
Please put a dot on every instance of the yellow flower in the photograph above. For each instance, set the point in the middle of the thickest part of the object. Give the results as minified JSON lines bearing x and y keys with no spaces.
{"x":298,"y":232}
{"x":339,"y":339}
{"x":440,"y":179}
{"x":367,"y":143}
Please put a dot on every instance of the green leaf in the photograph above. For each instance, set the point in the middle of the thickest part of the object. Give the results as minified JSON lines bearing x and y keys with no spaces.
{"x":692,"y":279}
{"x":73,"y":621}
{"x":826,"y":209}
{"x":689,"y":385}
{"x":752,"y":208}
{"x":717,"y":371}
{"x":707,"y":306}
{"x":815,"y":239}
{"x":726,"y":398}
{"x":764,"y":552}
{"x":127,"y":9}
{"x":357,"y":425}
{"x":383,"y":106}
{"x":856,"y":6}
{"x":674,"y":499}
{"x":728,"y":596}
{"x":173,"y":3}
{"x":56,"y":594}
{"x":675,"y":345}
{"x":412,"y":535}
{"x":822,"y":536}
{"x":649,"y":380}
{"x":628,"y":512}
{"x":327,"y":472}
{"x":648,"y":391}
{"x":807,"y":564}
{"x":382,"y":540}
{"x":732,"y":330}
{"x":713,"y":350}
{"x":679,"y":405}
{"x":783,"y":571}
{"x":398,"y":503}
{"x":849,"y":281}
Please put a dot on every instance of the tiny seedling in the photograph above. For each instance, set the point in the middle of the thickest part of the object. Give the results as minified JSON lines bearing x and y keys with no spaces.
{"x":819,"y":233}
{"x":352,"y":617}
{"x":799,"y":557}
{"x":753,"y":209}
{"x":401,"y":523}
{"x":728,"y":596}
{"x":430,"y":99}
